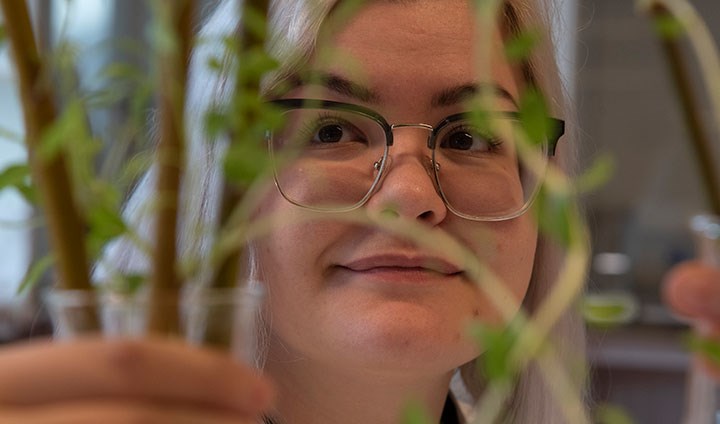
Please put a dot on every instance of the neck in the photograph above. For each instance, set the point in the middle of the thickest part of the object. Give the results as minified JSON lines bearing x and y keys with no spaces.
{"x":315,"y":393}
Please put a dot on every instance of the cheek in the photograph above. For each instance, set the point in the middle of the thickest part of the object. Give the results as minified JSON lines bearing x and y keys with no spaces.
{"x":508,"y":250}
{"x":289,"y":259}
{"x":286,"y":261}
{"x":516,"y":253}
{"x":292,"y":250}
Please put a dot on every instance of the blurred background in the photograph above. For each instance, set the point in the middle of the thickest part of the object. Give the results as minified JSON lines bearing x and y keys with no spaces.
{"x":626,"y":109}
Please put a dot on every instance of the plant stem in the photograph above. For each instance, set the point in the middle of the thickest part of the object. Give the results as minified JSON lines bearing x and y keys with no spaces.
{"x":173,"y":64}
{"x":232,"y":195}
{"x":229,"y":270}
{"x":65,"y":224}
{"x":698,"y":134}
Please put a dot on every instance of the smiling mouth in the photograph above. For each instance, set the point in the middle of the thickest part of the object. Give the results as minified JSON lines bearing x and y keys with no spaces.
{"x":402,"y":262}
{"x":402,"y":275}
{"x":403,"y":268}
{"x":390,"y":268}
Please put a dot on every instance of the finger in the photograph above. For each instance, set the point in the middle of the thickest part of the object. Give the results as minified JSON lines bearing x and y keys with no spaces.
{"x":152,"y":370}
{"x":117,"y":413}
{"x":692,"y":289}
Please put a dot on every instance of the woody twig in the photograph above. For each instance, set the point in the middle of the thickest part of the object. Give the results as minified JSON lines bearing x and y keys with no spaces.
{"x":173,"y":58}
{"x":65,"y":223}
{"x":228,"y":271}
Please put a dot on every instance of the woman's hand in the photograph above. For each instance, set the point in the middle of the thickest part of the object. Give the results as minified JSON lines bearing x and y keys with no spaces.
{"x":692,"y":289}
{"x":145,"y":381}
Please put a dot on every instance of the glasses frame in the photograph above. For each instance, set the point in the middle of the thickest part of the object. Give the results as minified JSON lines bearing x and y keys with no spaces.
{"x":556,"y":131}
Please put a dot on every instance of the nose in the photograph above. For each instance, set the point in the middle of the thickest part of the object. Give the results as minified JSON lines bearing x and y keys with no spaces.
{"x":408,"y":186}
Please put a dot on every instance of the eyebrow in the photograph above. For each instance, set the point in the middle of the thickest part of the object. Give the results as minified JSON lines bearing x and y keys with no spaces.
{"x":447,"y":97}
{"x":337,"y":84}
{"x":461,"y":93}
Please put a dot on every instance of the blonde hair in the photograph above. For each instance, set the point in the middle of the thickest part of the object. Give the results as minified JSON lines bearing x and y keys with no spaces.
{"x":295,"y":26}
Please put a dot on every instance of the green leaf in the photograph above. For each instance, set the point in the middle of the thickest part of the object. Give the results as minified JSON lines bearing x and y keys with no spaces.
{"x":215,"y":64}
{"x":70,"y":134}
{"x":122,"y":81}
{"x":162,"y":35}
{"x":707,"y":347}
{"x":140,"y":98}
{"x":136,"y":167}
{"x":69,"y":130}
{"x":597,"y":175}
{"x":254,"y":22}
{"x":251,"y":117}
{"x":534,"y":115}
{"x":18,"y":177}
{"x":520,"y":47}
{"x":64,"y":58}
{"x":415,"y":413}
{"x":28,"y":192}
{"x":494,"y":363}
{"x":105,"y":223}
{"x":255,"y":64}
{"x":668,"y":27}
{"x":34,"y":272}
{"x":11,"y":135}
{"x":245,"y":161}
{"x":610,"y":414}
{"x":554,"y":213}
{"x":128,"y":284}
{"x":14,"y":175}
{"x":123,"y":71}
{"x":134,"y":282}
{"x":107,"y":96}
{"x":216,"y":123}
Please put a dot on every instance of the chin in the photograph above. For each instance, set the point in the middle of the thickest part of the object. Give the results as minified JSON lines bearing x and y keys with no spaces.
{"x":406,"y":336}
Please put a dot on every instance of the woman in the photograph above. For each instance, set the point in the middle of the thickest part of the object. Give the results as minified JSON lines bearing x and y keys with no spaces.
{"x":360,"y":320}
{"x":367,"y":332}
{"x":391,"y":74}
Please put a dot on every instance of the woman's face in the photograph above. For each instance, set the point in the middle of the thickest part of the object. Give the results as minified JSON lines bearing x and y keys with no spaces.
{"x":348,"y":294}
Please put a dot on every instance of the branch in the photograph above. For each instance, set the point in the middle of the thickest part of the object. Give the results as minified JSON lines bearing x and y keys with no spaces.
{"x":173,"y":63}
{"x":229,"y":271}
{"x":66,"y":226}
{"x":232,"y":195}
{"x":699,"y":137}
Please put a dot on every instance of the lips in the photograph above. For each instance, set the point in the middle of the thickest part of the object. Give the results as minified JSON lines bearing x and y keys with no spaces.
{"x":401,"y":262}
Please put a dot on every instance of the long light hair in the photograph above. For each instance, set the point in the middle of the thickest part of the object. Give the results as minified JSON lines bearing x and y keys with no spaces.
{"x":295,"y":25}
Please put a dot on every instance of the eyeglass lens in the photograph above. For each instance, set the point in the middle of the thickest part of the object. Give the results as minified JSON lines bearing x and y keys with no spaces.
{"x":330,"y":160}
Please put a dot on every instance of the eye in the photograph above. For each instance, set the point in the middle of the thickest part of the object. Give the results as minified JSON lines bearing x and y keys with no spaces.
{"x":468,"y":139}
{"x":330,"y":134}
{"x":332,"y":130}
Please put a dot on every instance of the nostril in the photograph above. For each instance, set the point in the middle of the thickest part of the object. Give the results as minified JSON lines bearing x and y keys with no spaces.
{"x":427,"y":216}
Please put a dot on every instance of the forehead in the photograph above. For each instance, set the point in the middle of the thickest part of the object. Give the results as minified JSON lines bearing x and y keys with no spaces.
{"x":410,"y":24}
{"x":412,"y":48}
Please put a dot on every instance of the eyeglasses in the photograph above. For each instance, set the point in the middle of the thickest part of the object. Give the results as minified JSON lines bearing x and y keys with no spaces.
{"x":330,"y":156}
